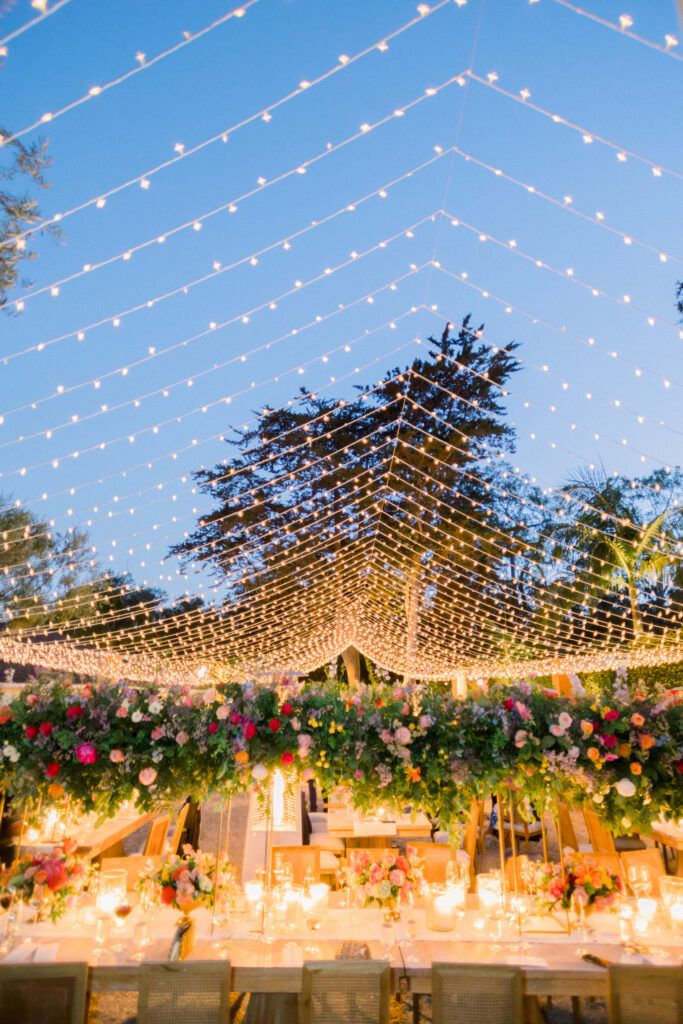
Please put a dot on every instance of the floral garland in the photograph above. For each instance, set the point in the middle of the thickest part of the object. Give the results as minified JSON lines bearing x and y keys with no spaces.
{"x":101,"y":745}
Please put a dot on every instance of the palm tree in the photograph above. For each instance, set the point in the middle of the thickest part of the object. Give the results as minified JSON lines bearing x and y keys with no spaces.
{"x":618,"y":546}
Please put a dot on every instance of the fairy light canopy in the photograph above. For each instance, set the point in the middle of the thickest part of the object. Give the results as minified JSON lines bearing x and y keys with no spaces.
{"x":231,"y":239}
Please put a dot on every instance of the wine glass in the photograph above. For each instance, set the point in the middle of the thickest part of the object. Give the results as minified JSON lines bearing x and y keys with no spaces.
{"x":578,"y":919}
{"x":141,"y":939}
{"x":639,"y":880}
{"x":102,"y":933}
{"x":121,"y":912}
{"x":387,"y":934}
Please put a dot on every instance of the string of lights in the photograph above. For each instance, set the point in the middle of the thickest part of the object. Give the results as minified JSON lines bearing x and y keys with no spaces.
{"x":232,"y":205}
{"x":143,"y":180}
{"x":623,"y":28}
{"x":142,"y":64}
{"x":45,"y":12}
{"x":588,"y":137}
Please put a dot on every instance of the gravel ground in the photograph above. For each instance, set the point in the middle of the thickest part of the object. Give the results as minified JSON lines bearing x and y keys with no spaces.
{"x":119,"y":1007}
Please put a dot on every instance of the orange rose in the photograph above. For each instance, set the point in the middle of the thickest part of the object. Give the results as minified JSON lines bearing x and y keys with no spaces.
{"x":636,"y":768}
{"x":586,"y":727}
{"x":241,"y":757}
{"x":55,"y":790}
{"x":646,"y":741}
{"x":637,"y":720}
{"x":624,"y":749}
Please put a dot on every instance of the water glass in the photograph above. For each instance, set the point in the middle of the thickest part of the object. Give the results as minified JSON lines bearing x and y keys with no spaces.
{"x":141,"y":938}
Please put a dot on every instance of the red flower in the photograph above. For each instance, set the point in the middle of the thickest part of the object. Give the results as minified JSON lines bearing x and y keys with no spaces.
{"x":609,"y":741}
{"x":287,"y":757}
{"x":212,"y":727}
{"x":379,"y":703}
{"x":274,"y":724}
{"x":286,"y":709}
{"x":679,"y":767}
{"x":31,"y":732}
{"x":509,"y":704}
{"x":249,"y":730}
{"x":46,"y":728}
{"x":75,"y":711}
{"x":52,"y":770}
{"x":235,"y":718}
{"x":5,"y":715}
{"x":611,"y":716}
{"x":167,"y":895}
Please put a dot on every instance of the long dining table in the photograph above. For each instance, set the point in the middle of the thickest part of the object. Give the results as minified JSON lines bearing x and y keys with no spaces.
{"x":551,"y":963}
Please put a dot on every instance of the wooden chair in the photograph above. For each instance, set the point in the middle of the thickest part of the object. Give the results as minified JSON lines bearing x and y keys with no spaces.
{"x":43,"y":993}
{"x":435,"y":857}
{"x":301,"y":858}
{"x":566,"y":836}
{"x":345,"y":992}
{"x":178,"y":829}
{"x":602,"y":839}
{"x":155,"y":843}
{"x":193,"y":991}
{"x":472,"y":994}
{"x":639,"y":994}
{"x":650,"y":860}
{"x":521,"y":863}
{"x":135,"y":866}
{"x":524,"y":829}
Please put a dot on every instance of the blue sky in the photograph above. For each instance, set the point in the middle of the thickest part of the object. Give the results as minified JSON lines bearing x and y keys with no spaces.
{"x":608,"y":84}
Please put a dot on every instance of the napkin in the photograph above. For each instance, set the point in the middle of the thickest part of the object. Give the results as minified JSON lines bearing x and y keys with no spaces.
{"x":20,"y":954}
{"x":46,"y":953}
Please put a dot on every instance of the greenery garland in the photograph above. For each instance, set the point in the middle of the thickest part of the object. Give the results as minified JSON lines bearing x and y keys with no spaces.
{"x":101,"y":745}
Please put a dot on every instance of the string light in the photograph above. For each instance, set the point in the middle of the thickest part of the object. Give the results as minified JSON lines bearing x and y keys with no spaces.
{"x":625,"y":23}
{"x":557,"y":119}
{"x":141,"y":66}
{"x":45,"y":12}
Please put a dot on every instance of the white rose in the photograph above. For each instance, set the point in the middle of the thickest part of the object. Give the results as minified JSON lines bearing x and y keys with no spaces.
{"x":136,"y":716}
{"x":154,"y":707}
{"x":295,"y":723}
{"x":259,"y":772}
{"x":626,"y":822}
{"x":565,"y":720}
{"x":205,"y":883}
{"x":625,"y":787}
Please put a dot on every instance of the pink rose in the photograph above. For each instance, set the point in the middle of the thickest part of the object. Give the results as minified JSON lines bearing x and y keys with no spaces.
{"x":307,"y":774}
{"x":611,"y":716}
{"x":389,"y":859}
{"x":520,"y":737}
{"x":181,"y":738}
{"x":210,"y":696}
{"x":187,"y":700}
{"x":523,"y":710}
{"x":116,"y":756}
{"x":424,"y":722}
{"x":122,"y":711}
{"x":358,"y":774}
{"x":397,"y":877}
{"x":403,"y":735}
{"x":376,"y":874}
{"x":405,"y":710}
{"x":147,"y":776}
{"x":223,"y":711}
{"x":557,"y":730}
{"x":305,"y":742}
{"x":86,"y":753}
{"x":386,"y":736}
{"x":158,"y":732}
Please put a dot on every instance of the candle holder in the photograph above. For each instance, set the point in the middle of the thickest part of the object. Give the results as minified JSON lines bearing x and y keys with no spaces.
{"x":440,"y":908}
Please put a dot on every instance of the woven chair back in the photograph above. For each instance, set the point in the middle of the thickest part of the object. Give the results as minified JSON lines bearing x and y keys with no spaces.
{"x":638,"y":994}
{"x":43,"y":994}
{"x":191,"y":992}
{"x":471,"y":994}
{"x":345,"y":992}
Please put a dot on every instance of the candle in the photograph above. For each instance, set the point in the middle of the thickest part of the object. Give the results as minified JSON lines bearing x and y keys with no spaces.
{"x":439,"y":909}
{"x":647,"y":908}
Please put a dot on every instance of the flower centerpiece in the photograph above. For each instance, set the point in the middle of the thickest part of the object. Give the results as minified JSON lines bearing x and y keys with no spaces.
{"x":585,"y":881}
{"x":49,"y":881}
{"x":387,"y":882}
{"x":187,"y":881}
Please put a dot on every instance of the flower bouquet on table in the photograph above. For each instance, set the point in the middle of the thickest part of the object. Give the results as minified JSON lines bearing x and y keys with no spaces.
{"x":388,"y":881}
{"x":48,"y":881}
{"x":185,"y":882}
{"x":585,"y":882}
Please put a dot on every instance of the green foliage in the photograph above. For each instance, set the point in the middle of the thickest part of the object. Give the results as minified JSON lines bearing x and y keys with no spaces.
{"x":409,"y":745}
{"x":18,"y":209}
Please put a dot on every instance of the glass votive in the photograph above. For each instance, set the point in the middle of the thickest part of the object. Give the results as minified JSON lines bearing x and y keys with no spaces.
{"x":440,"y":909}
{"x":647,"y":908}
{"x":490,"y":891}
{"x":112,"y":889}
